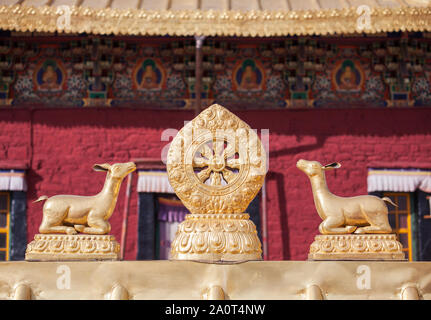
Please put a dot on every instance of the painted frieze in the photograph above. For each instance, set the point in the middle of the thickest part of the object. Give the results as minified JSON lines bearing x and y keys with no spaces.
{"x":242,"y":73}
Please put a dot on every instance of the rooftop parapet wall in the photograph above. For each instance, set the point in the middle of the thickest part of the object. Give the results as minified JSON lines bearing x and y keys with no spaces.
{"x":184,"y":280}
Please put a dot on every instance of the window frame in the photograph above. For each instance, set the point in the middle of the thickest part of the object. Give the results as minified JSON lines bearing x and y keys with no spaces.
{"x":397,"y":230}
{"x":6,"y":229}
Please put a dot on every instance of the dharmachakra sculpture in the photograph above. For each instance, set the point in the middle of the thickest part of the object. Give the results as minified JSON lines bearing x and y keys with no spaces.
{"x":353,"y":228}
{"x":216,"y":165}
{"x":64,"y":216}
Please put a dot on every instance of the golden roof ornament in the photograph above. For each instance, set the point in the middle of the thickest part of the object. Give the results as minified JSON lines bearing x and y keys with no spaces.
{"x":305,"y":20}
{"x":64,"y":216}
{"x":353,"y":228}
{"x":216,"y":165}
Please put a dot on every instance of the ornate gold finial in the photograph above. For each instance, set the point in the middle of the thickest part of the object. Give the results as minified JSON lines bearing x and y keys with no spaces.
{"x":216,"y":165}
{"x":366,"y":216}
{"x":70,"y":214}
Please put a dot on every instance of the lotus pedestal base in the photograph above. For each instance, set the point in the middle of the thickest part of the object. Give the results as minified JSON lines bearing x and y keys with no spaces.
{"x":216,"y":238}
{"x":356,"y":247}
{"x":57,"y":247}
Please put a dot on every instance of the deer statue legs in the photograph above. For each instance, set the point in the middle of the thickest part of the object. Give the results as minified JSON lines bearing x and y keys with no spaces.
{"x":332,"y":225}
{"x":95,"y":226}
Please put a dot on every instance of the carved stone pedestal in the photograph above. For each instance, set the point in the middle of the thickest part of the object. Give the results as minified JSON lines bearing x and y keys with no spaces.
{"x":58,"y":247}
{"x":356,"y":247}
{"x":216,"y":238}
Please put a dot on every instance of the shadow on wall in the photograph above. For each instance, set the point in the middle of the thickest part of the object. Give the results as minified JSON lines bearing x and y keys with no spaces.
{"x":320,"y":141}
{"x":284,"y":226}
{"x":33,"y":179}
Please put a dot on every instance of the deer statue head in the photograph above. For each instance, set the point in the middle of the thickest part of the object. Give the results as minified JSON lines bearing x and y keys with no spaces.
{"x":117,"y":170}
{"x":313,"y":168}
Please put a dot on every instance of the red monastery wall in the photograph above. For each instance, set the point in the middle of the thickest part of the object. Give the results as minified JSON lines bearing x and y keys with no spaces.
{"x":65,"y":143}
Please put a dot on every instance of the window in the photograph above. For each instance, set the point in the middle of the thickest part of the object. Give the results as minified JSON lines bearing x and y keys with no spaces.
{"x":159,"y":216}
{"x":4,"y":225}
{"x":400,"y":219}
{"x":170,"y":213}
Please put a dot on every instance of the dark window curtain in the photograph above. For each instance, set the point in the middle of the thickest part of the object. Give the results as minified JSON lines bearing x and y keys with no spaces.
{"x":424,"y":226}
{"x":18,"y":225}
{"x":146,"y":226}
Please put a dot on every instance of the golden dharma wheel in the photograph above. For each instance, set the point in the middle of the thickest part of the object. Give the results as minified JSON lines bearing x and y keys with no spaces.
{"x":216,"y":165}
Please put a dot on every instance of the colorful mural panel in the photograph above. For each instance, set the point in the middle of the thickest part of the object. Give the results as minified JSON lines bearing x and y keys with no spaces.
{"x":49,"y":76}
{"x":348,"y":76}
{"x":148,"y":75}
{"x":257,"y":73}
{"x":348,"y":79}
{"x":248,"y":78}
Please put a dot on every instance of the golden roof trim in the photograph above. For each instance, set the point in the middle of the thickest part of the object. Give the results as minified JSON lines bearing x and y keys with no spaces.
{"x":212,"y":23}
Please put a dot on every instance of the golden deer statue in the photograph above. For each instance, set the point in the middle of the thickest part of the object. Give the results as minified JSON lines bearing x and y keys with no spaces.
{"x":342,"y":215}
{"x":87,"y":214}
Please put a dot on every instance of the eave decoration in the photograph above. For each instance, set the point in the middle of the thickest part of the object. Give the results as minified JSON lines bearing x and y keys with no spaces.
{"x":254,"y":23}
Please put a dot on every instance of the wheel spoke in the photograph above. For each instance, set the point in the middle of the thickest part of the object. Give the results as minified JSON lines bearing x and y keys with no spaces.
{"x":210,"y":159}
{"x":229,"y":151}
{"x":228,"y":175}
{"x":216,"y":179}
{"x":218,"y":146}
{"x":206,"y":151}
{"x":233,"y":163}
{"x":204,"y":174}
{"x":200,"y":162}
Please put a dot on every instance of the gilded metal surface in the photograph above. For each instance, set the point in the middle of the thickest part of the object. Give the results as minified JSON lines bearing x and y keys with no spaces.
{"x":216,"y":165}
{"x":86,"y":214}
{"x":410,"y":292}
{"x":254,"y":23}
{"x":313,"y":292}
{"x":119,"y":293}
{"x":187,"y":280}
{"x":343,"y":215}
{"x":356,"y":247}
{"x":57,"y":247}
{"x":22,"y":292}
{"x":216,"y":237}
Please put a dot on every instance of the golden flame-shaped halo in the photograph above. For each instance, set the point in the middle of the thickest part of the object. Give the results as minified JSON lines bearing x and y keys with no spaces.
{"x":216,"y":163}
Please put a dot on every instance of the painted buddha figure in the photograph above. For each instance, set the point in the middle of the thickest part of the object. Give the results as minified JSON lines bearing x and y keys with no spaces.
{"x":348,"y":79}
{"x":149,"y":78}
{"x":49,"y":79}
{"x":249,"y":76}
